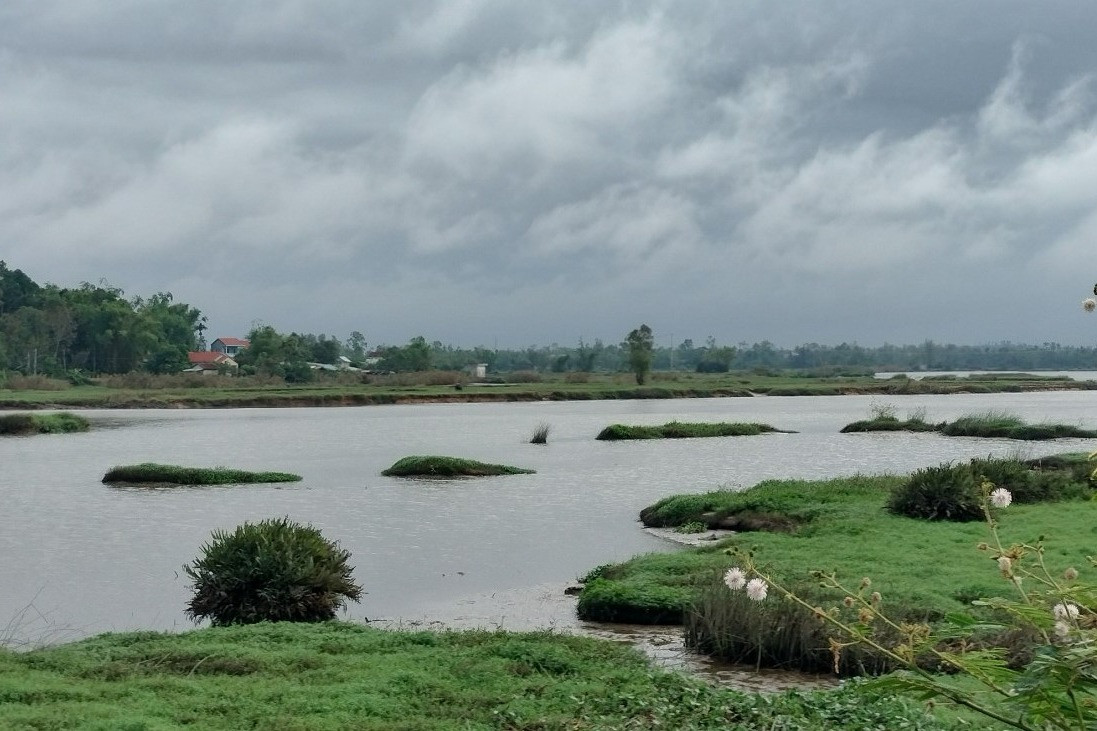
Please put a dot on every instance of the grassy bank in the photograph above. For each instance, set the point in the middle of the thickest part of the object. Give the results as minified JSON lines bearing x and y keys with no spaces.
{"x":991,"y":424}
{"x":157,"y":474}
{"x":433,"y":466}
{"x":924,"y":569}
{"x":225,"y":392}
{"x":25,"y":424}
{"x":341,"y":676}
{"x":684,"y":430}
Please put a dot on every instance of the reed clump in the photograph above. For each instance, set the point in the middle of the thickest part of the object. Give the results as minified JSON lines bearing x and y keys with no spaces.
{"x":991,"y":424}
{"x":685,"y":430}
{"x":61,"y":422}
{"x":540,"y":434}
{"x":435,"y":466}
{"x":156,"y":474}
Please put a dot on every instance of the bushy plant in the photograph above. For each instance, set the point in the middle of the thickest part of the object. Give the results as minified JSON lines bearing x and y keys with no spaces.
{"x":945,"y":492}
{"x":274,"y":570}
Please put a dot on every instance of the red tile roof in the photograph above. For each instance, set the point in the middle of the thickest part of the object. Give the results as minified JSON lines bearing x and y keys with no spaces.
{"x":206,"y":356}
{"x":234,"y":341}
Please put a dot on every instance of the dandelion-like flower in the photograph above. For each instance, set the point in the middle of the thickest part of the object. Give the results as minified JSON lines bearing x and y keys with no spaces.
{"x":1001,"y":497}
{"x":1005,"y":565}
{"x":1089,"y":304}
{"x":1070,"y":574}
{"x":1065,"y":611}
{"x":1062,"y":629}
{"x":756,"y":589}
{"x":735,"y":579}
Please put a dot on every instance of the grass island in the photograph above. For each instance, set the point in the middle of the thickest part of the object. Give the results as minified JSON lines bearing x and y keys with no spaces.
{"x":58,"y":423}
{"x":685,"y":430}
{"x":435,"y":466}
{"x":150,"y":473}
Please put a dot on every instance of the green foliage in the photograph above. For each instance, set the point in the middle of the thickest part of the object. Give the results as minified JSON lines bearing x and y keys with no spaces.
{"x":1008,"y":426}
{"x":415,"y":356}
{"x":945,"y":492}
{"x":152,"y":473}
{"x":434,"y":466}
{"x":633,"y":603}
{"x":61,"y":422}
{"x":271,"y":571}
{"x":639,"y":343}
{"x":694,"y":526}
{"x":333,"y":675}
{"x":680,"y":430}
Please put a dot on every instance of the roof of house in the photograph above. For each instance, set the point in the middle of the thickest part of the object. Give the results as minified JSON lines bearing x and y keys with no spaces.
{"x":234,"y":341}
{"x":199,"y":357}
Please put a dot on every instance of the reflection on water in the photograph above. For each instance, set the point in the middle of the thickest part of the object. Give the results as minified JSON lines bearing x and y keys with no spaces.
{"x":87,"y":558}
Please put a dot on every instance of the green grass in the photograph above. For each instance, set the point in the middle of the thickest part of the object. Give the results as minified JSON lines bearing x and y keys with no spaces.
{"x":683,"y":430}
{"x":991,"y":424}
{"x":151,"y":473}
{"x":251,"y":392}
{"x":923,"y":568}
{"x":328,"y":676}
{"x":434,"y":466}
{"x":58,"y":423}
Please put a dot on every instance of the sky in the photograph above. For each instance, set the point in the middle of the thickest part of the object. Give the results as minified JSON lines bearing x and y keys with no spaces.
{"x":506,"y":174}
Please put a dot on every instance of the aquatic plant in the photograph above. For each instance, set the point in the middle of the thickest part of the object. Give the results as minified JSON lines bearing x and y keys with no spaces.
{"x":682,"y":430}
{"x":540,"y":434}
{"x":61,"y":422}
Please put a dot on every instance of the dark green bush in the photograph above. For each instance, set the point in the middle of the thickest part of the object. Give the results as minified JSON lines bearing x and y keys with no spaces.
{"x":945,"y":492}
{"x":435,"y":466}
{"x":272,"y":571}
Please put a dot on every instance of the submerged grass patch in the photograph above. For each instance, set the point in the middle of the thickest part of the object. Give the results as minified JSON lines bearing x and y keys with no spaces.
{"x":58,"y":423}
{"x":684,"y":430}
{"x":991,"y":424}
{"x":924,"y":569}
{"x":434,"y":466}
{"x":333,"y":675}
{"x":151,"y":473}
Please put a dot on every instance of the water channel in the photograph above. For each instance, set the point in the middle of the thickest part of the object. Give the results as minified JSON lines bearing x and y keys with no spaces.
{"x":81,"y":557}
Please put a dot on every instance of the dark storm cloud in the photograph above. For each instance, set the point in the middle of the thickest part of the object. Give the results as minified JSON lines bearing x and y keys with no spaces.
{"x":483,"y":172}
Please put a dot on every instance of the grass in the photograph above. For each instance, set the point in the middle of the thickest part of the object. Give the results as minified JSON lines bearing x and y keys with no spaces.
{"x":433,"y":466}
{"x":254,"y":391}
{"x":991,"y":424}
{"x":328,"y":676}
{"x":540,"y":434}
{"x":156,"y":474}
{"x":682,"y":430}
{"x":923,"y":569}
{"x":58,"y":423}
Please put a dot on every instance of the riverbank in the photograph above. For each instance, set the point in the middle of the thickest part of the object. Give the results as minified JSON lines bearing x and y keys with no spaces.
{"x":335,"y":675}
{"x":225,"y":392}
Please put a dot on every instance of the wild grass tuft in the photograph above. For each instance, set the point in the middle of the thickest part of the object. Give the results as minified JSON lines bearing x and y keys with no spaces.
{"x":540,"y":434}
{"x":152,"y":473}
{"x":991,"y":424}
{"x":683,"y":430}
{"x":434,"y":466}
{"x":61,"y":422}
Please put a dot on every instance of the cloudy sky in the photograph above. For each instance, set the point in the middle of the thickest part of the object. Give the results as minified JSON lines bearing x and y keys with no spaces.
{"x":513,"y":173}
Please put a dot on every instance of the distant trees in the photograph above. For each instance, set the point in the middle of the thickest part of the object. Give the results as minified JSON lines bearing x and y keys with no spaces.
{"x":640,"y":343}
{"x":50,"y":330}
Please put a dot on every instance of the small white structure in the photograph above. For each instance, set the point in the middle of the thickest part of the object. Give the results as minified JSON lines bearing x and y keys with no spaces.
{"x":477,"y":370}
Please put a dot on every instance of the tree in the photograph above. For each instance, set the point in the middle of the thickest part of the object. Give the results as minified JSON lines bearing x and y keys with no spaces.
{"x":640,"y":344}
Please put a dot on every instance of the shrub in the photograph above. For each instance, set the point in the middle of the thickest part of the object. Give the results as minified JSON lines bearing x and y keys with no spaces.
{"x":945,"y":492}
{"x":275,"y":570}
{"x":61,"y":422}
{"x":152,"y":473}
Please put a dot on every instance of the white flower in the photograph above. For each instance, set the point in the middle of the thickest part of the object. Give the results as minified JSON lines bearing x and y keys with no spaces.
{"x":1089,"y":304}
{"x":1064,"y":611}
{"x":1062,"y":629}
{"x":1001,"y":497}
{"x":1004,"y":565}
{"x":756,"y":589}
{"x":735,"y":579}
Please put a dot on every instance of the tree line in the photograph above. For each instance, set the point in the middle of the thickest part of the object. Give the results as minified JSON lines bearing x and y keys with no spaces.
{"x":96,"y":329}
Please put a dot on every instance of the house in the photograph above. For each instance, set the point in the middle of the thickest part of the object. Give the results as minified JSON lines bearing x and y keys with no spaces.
{"x":228,"y":346}
{"x":477,"y":370}
{"x":208,"y":362}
